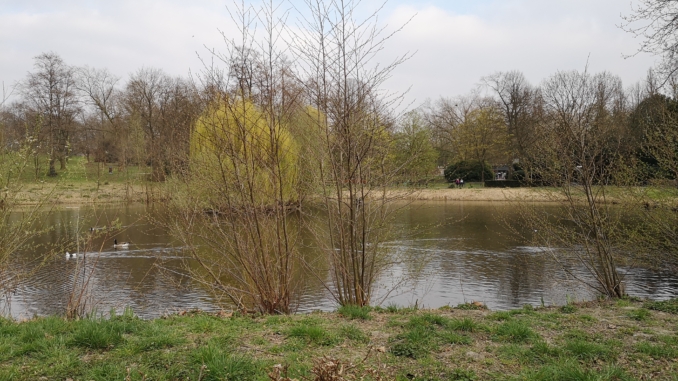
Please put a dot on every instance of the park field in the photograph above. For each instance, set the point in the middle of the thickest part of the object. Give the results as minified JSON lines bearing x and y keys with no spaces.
{"x":89,"y":182}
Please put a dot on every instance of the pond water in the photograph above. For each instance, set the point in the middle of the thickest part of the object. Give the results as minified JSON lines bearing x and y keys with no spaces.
{"x":465,"y":251}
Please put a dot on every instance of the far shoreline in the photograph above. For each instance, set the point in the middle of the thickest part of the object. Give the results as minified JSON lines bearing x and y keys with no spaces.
{"x":116,"y":193}
{"x":82,"y":193}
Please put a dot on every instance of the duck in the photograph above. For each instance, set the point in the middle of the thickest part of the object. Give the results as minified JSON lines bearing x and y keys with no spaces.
{"x":71,"y":255}
{"x":122,"y":245}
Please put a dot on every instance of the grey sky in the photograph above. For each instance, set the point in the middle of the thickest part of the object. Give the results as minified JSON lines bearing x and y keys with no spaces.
{"x":457,"y":42}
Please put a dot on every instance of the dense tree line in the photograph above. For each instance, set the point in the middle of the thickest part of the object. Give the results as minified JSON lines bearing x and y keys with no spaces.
{"x":64,"y":111}
{"x":508,"y":121}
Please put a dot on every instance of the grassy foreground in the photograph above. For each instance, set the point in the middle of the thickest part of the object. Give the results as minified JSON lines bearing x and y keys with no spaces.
{"x":622,"y":340}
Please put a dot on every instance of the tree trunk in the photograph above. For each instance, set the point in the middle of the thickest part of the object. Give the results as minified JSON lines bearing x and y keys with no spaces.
{"x":52,"y":170}
{"x":482,"y":172}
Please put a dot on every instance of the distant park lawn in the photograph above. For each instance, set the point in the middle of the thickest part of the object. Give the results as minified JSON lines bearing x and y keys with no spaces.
{"x":78,"y":169}
{"x":84,"y":182}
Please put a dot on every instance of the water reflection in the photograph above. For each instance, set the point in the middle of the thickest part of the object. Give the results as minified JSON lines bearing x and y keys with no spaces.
{"x":465,"y":251}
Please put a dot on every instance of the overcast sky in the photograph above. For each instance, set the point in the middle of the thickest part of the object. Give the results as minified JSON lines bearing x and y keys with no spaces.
{"x":456,"y":41}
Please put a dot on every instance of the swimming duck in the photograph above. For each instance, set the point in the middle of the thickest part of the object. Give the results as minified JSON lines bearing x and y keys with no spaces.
{"x":122,"y":245}
{"x":70,"y":255}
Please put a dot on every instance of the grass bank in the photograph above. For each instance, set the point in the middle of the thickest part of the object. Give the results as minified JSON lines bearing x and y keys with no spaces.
{"x":624,"y":340}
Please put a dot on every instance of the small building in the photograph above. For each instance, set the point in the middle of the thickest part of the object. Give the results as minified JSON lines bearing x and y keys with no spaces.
{"x":501,"y":172}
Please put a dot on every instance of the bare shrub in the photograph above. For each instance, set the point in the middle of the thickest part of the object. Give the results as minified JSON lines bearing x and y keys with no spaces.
{"x":234,"y":206}
{"x":581,"y":157}
{"x":350,"y":117}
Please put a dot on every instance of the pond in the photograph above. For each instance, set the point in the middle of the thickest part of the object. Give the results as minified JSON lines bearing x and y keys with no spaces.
{"x":464,"y":248}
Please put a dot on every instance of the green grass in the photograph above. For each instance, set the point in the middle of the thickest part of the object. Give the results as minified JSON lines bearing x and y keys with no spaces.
{"x":462,"y":375}
{"x":500,"y":316}
{"x":640,"y":314}
{"x":218,"y":364}
{"x":568,"y":309}
{"x":354,"y":333}
{"x":664,"y":347}
{"x":515,"y":332}
{"x":470,"y":306}
{"x":355,"y":312}
{"x":416,"y":343}
{"x":451,"y":344}
{"x":587,"y":351}
{"x":93,"y":334}
{"x":668,"y":306}
{"x":313,"y":334}
{"x":78,"y":170}
{"x":465,"y":325}
{"x":571,"y":371}
{"x":426,"y":332}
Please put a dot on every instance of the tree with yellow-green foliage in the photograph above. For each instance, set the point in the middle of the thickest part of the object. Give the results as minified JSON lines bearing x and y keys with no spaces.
{"x":483,"y":137}
{"x":242,"y":185}
{"x":415,"y":156}
{"x":235,"y":209}
{"x":247,"y":158}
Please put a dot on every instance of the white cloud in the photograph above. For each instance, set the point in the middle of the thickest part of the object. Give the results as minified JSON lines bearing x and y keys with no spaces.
{"x":536,"y":37}
{"x":457,"y":43}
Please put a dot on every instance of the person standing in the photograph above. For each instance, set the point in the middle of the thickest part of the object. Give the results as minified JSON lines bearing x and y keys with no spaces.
{"x":461,"y":183}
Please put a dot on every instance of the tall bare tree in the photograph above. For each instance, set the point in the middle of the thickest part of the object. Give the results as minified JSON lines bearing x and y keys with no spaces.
{"x":165,"y":109}
{"x":51,"y":91}
{"x":521,"y":107}
{"x":444,"y":117}
{"x":351,"y":118}
{"x":582,"y":149}
{"x":655,"y":22}
{"x":103,"y":129}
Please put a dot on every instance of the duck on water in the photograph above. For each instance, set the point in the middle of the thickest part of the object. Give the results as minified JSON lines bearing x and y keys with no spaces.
{"x":121,"y":245}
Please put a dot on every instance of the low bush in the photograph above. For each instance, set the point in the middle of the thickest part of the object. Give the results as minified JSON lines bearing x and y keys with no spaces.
{"x":469,"y":170}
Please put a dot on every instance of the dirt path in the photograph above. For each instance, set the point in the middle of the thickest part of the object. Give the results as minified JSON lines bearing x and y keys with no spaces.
{"x":480,"y":194}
